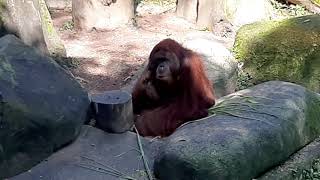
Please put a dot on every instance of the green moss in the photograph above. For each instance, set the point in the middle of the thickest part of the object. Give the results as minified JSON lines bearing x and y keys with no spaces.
{"x":2,"y":8}
{"x":286,"y":50}
{"x":46,"y":18}
{"x":313,"y":109}
{"x":7,"y":73}
{"x":2,"y":5}
{"x":312,"y":173}
{"x":52,"y":39}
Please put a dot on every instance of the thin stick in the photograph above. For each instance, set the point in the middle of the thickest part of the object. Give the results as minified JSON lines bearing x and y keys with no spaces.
{"x":143,"y":155}
{"x":241,"y":109}
{"x":99,"y":169}
{"x":220,"y":112}
{"x":105,"y":171}
{"x":101,"y":164}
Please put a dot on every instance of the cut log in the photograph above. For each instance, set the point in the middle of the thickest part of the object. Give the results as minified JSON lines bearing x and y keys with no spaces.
{"x":113,"y":111}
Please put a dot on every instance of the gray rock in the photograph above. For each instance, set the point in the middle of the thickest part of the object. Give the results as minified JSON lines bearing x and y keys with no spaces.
{"x":268,"y":51}
{"x":295,"y":166}
{"x":43,"y":106}
{"x":253,"y":130}
{"x":119,"y":151}
{"x":220,"y":65}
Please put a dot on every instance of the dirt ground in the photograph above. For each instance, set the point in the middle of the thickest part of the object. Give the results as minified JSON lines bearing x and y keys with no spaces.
{"x":108,"y":59}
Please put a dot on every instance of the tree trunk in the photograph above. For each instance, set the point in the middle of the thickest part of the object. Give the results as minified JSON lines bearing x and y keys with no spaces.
{"x":113,"y":111}
{"x":204,"y":13}
{"x":101,"y":14}
{"x":30,"y":20}
{"x":24,"y":19}
{"x":209,"y":13}
{"x":188,"y":9}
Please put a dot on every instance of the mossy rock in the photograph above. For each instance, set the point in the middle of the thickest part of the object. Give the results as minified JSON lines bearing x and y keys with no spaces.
{"x":42,"y":107}
{"x":287,"y":50}
{"x":304,"y":164}
{"x":252,"y":131}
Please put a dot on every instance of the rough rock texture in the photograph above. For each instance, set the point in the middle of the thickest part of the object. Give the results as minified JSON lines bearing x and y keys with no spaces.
{"x":44,"y":106}
{"x":287,"y":50}
{"x":253,"y":130}
{"x":220,"y":65}
{"x":295,"y":166}
{"x":117,"y":151}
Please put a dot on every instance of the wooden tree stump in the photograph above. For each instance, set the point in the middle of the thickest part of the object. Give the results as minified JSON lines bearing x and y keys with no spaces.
{"x":102,"y":14}
{"x":188,"y":9}
{"x":113,"y":111}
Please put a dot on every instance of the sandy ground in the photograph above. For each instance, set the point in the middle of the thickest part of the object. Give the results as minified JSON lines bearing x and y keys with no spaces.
{"x":108,"y":59}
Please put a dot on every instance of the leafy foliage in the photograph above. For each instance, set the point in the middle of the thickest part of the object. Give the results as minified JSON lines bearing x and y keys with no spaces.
{"x":67,"y":62}
{"x":312,"y":173}
{"x":68,"y":25}
{"x":286,"y":10}
{"x":244,"y":80}
{"x":158,"y":2}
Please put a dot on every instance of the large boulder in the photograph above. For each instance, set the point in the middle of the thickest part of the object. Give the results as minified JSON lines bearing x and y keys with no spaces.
{"x":287,"y":50}
{"x":220,"y":65}
{"x":241,"y":12}
{"x":253,"y":130}
{"x":31,"y":22}
{"x":303,"y":164}
{"x":114,"y":154}
{"x":43,"y":106}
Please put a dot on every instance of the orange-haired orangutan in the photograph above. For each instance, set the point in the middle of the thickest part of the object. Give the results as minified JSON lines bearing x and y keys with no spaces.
{"x":172,"y":90}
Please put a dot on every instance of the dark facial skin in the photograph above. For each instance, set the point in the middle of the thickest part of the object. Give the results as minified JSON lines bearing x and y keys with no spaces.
{"x":167,"y":66}
{"x":163,"y":72}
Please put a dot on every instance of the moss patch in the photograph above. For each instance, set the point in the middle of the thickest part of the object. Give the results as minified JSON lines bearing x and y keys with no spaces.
{"x":2,"y":8}
{"x":7,"y":73}
{"x":287,"y":50}
{"x":53,"y":40}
